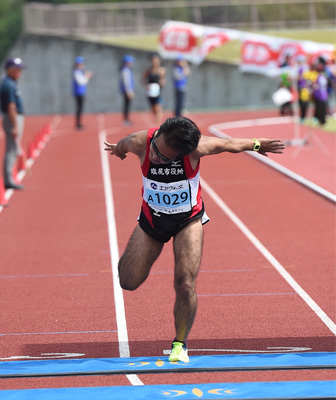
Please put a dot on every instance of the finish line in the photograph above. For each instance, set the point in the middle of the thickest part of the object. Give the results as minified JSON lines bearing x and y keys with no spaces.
{"x":154,"y":365}
{"x":319,"y":390}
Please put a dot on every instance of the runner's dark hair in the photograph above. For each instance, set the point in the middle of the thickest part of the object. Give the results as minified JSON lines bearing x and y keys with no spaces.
{"x":181,"y":134}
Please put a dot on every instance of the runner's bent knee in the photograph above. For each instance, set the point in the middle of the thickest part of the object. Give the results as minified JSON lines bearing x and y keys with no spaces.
{"x":127,"y":280}
{"x":132,"y":272}
{"x":137,"y":260}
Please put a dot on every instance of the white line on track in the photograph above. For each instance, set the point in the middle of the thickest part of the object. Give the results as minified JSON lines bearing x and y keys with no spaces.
{"x":276,"y":264}
{"x":217,"y":131}
{"x":41,"y":276}
{"x":245,"y":294}
{"x":254,"y":122}
{"x":44,"y":356}
{"x":54,"y":333}
{"x":254,"y":351}
{"x":124,"y":350}
{"x":209,"y":271}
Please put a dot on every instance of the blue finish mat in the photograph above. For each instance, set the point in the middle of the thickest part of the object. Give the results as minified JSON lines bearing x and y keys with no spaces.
{"x":138,"y":365}
{"x":321,"y":390}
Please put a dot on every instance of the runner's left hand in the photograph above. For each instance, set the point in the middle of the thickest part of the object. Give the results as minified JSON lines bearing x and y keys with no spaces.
{"x":271,"y":146}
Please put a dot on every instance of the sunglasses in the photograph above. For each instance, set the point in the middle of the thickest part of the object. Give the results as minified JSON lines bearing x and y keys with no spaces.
{"x":163,"y":158}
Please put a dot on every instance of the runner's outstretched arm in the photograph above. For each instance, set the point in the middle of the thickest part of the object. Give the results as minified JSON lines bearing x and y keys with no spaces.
{"x":134,"y":143}
{"x":211,"y":145}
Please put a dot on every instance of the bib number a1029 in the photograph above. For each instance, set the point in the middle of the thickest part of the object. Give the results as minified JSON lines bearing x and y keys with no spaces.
{"x":169,"y":198}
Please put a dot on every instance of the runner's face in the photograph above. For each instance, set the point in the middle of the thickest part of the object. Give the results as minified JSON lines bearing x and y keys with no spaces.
{"x":160,"y":153}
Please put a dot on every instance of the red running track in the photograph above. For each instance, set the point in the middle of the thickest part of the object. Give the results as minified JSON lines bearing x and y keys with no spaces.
{"x":56,"y":281}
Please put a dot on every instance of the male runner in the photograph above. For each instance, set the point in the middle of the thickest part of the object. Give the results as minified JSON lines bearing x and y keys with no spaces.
{"x":172,"y":207}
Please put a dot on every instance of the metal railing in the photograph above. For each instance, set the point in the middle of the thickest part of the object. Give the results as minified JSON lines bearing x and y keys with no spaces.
{"x":127,"y":18}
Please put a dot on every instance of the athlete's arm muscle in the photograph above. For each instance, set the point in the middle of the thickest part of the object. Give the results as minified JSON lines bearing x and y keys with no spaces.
{"x":134,"y":143}
{"x":209,"y":145}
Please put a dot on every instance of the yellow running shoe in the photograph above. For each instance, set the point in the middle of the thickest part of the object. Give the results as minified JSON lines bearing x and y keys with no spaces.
{"x":179,"y":352}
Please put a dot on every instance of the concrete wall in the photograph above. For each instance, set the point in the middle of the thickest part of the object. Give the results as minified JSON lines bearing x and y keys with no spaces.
{"x":46,"y":83}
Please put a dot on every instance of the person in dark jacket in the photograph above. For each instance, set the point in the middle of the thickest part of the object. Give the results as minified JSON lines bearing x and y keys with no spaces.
{"x":181,"y":72}
{"x":13,"y":118}
{"x":126,"y":84}
{"x":320,"y":93}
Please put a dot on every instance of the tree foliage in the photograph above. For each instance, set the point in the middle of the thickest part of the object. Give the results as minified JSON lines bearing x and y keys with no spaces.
{"x":84,"y":1}
{"x":10,"y":24}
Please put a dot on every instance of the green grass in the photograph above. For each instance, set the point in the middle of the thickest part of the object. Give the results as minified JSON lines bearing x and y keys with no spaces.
{"x":329,"y":126}
{"x":141,"y":42}
{"x":230,"y":52}
{"x":316,"y":35}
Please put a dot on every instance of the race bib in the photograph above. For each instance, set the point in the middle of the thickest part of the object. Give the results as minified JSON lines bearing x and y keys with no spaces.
{"x":168,"y":198}
{"x":153,"y":90}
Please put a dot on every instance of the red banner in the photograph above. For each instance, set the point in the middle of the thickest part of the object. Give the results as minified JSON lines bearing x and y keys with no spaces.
{"x":266,"y":54}
{"x":195,"y":42}
{"x":259,"y":53}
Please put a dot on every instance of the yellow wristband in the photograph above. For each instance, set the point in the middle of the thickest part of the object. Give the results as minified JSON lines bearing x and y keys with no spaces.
{"x":256,"y":146}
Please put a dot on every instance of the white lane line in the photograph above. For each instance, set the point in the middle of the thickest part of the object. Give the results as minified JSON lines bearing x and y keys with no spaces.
{"x":217,"y":131}
{"x":44,"y":356}
{"x":245,"y":294}
{"x":124,"y":350}
{"x":254,"y":351}
{"x":209,"y":271}
{"x":41,"y":276}
{"x":263,"y":250}
{"x":54,"y":333}
{"x":248,"y":123}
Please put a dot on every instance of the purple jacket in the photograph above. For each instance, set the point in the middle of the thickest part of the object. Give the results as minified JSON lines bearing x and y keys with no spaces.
{"x":320,"y":91}
{"x":302,"y":82}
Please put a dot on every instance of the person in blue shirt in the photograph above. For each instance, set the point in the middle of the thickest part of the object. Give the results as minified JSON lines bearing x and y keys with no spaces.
{"x":13,"y":118}
{"x":126,"y":84}
{"x":80,"y":79}
{"x":180,"y":75}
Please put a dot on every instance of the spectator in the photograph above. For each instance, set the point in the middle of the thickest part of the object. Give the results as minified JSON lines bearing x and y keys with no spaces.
{"x":126,"y":82}
{"x":154,"y":79}
{"x":13,"y":118}
{"x":180,"y":74}
{"x":80,"y":79}
{"x":286,"y":82}
{"x":332,"y":69}
{"x":320,"y":93}
{"x":303,"y":84}
{"x":330,"y":73}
